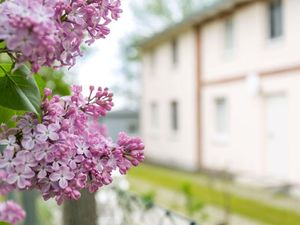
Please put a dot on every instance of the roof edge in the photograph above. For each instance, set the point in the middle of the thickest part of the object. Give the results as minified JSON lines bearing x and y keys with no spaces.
{"x":195,"y":19}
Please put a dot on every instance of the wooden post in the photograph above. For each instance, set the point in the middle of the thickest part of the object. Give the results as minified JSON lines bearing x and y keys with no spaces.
{"x":29,"y":204}
{"x":82,"y":211}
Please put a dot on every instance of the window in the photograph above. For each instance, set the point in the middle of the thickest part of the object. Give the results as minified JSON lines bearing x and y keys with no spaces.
{"x":174,"y":115}
{"x":132,"y":128}
{"x":174,"y":51}
{"x":154,"y":114}
{"x":221,"y":116}
{"x":275,"y":19}
{"x":229,"y":36}
{"x":152,"y":59}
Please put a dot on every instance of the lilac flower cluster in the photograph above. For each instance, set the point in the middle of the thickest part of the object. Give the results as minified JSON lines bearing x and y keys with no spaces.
{"x":68,"y":150}
{"x":48,"y":32}
{"x":11,"y":212}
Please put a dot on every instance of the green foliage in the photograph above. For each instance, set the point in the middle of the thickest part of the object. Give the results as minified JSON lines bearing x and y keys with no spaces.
{"x":192,"y":204}
{"x":161,"y":8}
{"x":163,"y":12}
{"x":4,"y":68}
{"x":45,"y":211}
{"x":55,"y":80}
{"x":6,"y":115}
{"x":148,"y":198}
{"x":19,"y":91}
{"x":208,"y":194}
{"x":2,"y":148}
{"x":3,"y":223}
{"x":40,"y":83}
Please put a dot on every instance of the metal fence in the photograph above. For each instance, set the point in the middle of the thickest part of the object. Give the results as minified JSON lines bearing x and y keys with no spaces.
{"x":123,"y":208}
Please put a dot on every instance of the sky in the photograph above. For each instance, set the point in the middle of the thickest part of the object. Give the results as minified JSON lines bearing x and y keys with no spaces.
{"x":101,"y":65}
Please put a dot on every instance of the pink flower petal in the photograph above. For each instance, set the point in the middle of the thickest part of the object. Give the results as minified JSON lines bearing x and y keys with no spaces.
{"x":63,"y":183}
{"x":42,"y":174}
{"x":41,"y":128}
{"x":12,"y":178}
{"x":53,"y":127}
{"x":22,"y":182}
{"x":28,"y":173}
{"x":53,"y":136}
{"x":69,"y":175}
{"x":54,"y":177}
{"x":28,"y":143}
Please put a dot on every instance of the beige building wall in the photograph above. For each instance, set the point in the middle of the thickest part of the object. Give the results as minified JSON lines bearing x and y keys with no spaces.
{"x":163,"y":83}
{"x":254,"y":77}
{"x":275,"y":69}
{"x":253,"y":51}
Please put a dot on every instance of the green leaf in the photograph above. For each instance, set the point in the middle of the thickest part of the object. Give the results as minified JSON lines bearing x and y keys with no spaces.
{"x":2,"y":43}
{"x":40,"y":83}
{"x":3,"y":223}
{"x":2,"y":147}
{"x":6,"y":67}
{"x":6,"y":115}
{"x":19,"y":91}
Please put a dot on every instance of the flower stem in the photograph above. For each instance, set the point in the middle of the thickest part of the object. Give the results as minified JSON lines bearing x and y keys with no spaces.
{"x":3,"y":50}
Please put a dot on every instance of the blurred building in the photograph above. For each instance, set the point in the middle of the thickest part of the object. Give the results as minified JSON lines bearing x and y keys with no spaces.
{"x":121,"y":120}
{"x":221,"y":90}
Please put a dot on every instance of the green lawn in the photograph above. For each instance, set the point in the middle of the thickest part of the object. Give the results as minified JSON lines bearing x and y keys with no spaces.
{"x":173,"y":180}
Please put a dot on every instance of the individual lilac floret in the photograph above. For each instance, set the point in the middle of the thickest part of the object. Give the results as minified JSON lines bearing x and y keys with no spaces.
{"x":68,"y":150}
{"x":47,"y":132}
{"x":62,"y":175}
{"x":129,"y":152}
{"x":5,"y":188}
{"x":49,"y":32}
{"x":11,"y":212}
{"x":100,"y":103}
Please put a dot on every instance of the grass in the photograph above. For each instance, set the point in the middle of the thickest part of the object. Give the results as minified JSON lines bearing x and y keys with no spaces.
{"x":208,"y":194}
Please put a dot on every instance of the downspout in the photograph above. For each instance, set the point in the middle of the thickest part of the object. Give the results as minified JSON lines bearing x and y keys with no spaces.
{"x":198,"y":97}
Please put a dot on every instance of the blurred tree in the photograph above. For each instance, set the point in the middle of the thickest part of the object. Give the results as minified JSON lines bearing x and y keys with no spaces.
{"x":154,"y":14}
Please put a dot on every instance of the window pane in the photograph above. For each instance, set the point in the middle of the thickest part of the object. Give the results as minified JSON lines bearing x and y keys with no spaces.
{"x":152,"y":59}
{"x":229,"y":34}
{"x":275,"y":19}
{"x":174,"y":115}
{"x":221,"y":120}
{"x":154,"y":114}
{"x":174,"y":51}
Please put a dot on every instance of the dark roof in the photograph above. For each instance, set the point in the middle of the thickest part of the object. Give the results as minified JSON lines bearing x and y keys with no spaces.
{"x":196,"y":18}
{"x":122,"y":114}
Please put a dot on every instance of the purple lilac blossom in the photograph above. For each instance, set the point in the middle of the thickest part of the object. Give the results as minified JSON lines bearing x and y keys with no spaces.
{"x":11,"y":212}
{"x":50,"y":32}
{"x":67,"y":150}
